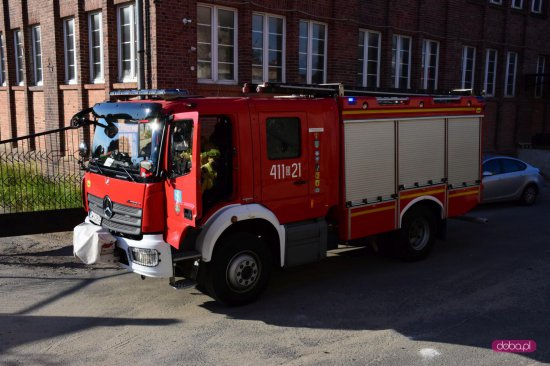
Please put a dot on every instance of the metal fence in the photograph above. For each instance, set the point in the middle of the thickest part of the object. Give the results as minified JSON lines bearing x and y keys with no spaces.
{"x":40,"y":172}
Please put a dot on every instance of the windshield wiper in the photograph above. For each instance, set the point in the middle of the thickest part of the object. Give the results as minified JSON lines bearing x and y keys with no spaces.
{"x":130,"y":175}
{"x":97,"y":165}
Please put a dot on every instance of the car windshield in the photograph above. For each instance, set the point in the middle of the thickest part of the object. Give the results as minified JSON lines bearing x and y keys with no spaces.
{"x":135,"y":141}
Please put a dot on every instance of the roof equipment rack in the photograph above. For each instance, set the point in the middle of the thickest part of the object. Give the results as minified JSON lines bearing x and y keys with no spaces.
{"x":166,"y":94}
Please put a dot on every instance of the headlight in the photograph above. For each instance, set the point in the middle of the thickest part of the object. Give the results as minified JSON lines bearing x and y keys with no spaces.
{"x":144,"y":257}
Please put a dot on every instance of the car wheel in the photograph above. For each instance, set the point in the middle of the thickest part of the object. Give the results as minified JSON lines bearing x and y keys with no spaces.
{"x":239,"y":270}
{"x":529,"y":195}
{"x":417,"y":235}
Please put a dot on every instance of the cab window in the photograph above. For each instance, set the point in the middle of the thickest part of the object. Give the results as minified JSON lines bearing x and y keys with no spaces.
{"x":283,"y":138}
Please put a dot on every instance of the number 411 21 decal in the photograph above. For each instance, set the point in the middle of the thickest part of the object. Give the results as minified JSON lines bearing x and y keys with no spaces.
{"x":282,"y":171}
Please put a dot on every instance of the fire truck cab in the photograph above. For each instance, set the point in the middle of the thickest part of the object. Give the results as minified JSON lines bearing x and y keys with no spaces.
{"x":220,"y":190}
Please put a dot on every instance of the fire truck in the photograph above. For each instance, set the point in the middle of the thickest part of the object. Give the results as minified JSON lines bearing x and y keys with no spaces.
{"x":219,"y":191}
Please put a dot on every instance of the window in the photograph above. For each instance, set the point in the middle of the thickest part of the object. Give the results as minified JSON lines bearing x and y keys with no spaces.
{"x":401,"y":62}
{"x":95,"y":34}
{"x":490,"y":72}
{"x":517,"y":4}
{"x":510,"y":81}
{"x":430,"y":64}
{"x":498,"y":2}
{"x":539,"y":81}
{"x":268,"y":53}
{"x":18,"y":47}
{"x":181,"y":147}
{"x":492,"y":166}
{"x":510,"y":166}
{"x":536,"y":6}
{"x":2,"y":62}
{"x":369,"y":59}
{"x":283,"y":138}
{"x":70,"y":51}
{"x":127,"y":43}
{"x":216,"y":44}
{"x":313,"y":52}
{"x":468,"y":67}
{"x":36,"y":39}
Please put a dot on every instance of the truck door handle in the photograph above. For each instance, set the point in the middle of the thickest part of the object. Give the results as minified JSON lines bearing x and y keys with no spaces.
{"x":300,"y":182}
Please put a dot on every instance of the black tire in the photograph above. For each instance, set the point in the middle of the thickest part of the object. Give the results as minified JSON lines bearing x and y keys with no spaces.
{"x":239,"y":270}
{"x":416,"y":237}
{"x":529,"y":195}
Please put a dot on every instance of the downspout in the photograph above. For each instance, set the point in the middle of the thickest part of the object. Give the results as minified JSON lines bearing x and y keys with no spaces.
{"x":140,"y":46}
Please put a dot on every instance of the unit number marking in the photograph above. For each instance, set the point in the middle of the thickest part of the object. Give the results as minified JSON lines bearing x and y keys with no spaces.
{"x":282,"y":171}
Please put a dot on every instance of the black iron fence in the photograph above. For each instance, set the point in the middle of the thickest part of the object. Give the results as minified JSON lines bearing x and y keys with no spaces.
{"x":40,"y":172}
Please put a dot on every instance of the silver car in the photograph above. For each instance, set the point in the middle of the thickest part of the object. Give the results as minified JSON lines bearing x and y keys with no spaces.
{"x":509,"y":179}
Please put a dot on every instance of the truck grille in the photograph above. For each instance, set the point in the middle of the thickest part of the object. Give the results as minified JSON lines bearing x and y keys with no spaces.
{"x":126,"y":219}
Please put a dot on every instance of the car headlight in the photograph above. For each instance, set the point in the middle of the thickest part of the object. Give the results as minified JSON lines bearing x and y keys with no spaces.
{"x":144,"y":257}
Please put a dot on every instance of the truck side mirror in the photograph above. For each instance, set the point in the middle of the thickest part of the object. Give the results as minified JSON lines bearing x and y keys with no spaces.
{"x":111,"y":131}
{"x":83,"y":150}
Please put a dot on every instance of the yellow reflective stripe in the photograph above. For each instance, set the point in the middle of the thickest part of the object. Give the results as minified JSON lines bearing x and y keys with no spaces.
{"x":379,"y":209}
{"x":469,"y":193}
{"x":416,"y":110}
{"x":427,"y":193}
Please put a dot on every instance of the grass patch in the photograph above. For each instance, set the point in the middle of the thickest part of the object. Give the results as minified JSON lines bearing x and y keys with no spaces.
{"x":24,"y":188}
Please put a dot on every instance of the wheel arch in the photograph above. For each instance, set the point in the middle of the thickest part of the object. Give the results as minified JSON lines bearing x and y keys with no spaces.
{"x":249,"y":218}
{"x":429,"y":202}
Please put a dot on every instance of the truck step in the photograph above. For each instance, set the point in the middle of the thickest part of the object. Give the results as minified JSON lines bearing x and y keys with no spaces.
{"x":182,"y":284}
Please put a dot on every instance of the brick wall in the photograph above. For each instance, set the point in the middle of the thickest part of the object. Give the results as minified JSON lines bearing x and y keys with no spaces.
{"x":171,"y":56}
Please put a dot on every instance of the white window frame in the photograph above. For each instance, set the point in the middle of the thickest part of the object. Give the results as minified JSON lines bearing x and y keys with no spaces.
{"x":266,"y":49}
{"x":214,"y":45}
{"x":133,"y":64}
{"x":539,"y":80}
{"x":309,"y":67}
{"x":18,"y":53}
{"x":464,"y":65}
{"x":537,"y":10}
{"x":507,"y":77}
{"x":515,"y":4}
{"x":35,"y":67}
{"x":498,"y":2}
{"x":488,"y":52}
{"x":397,"y":56}
{"x":2,"y":61}
{"x":366,"y":49}
{"x":427,"y":45}
{"x":74,"y":80}
{"x":96,"y":79}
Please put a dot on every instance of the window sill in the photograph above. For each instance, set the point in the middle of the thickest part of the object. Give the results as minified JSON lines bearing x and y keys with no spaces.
{"x":68,"y":87}
{"x":36,"y":88}
{"x":212,"y":82}
{"x":94,"y":86}
{"x":3,"y":88}
{"x":125,"y":85}
{"x":18,"y":88}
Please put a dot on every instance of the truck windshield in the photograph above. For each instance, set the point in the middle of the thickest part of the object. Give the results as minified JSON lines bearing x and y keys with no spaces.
{"x":135,"y":142}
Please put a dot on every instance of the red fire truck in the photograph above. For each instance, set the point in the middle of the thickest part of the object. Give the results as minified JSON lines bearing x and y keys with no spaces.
{"x":220,"y":190}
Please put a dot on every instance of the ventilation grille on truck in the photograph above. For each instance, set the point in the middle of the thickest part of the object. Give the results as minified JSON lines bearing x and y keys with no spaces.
{"x":125,"y":219}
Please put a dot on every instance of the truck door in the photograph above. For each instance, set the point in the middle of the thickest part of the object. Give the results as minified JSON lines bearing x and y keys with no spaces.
{"x":182,"y":186}
{"x":284,"y":164}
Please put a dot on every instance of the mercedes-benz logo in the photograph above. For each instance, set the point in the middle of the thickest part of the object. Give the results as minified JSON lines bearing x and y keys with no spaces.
{"x":108,"y":207}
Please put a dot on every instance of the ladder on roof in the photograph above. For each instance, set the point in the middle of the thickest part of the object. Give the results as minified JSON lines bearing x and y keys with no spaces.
{"x":341,"y":90}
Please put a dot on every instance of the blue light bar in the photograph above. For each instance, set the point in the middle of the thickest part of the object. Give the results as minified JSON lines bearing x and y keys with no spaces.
{"x":352,"y":101}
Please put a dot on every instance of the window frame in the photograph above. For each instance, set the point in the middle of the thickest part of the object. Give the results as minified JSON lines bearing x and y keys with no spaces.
{"x":266,"y":46}
{"x":309,"y":52}
{"x":2,"y":61}
{"x":463,"y":68}
{"x":516,"y":6}
{"x":396,"y":60}
{"x":536,"y":11}
{"x":19,"y":62}
{"x":488,"y":51}
{"x":74,"y":80}
{"x":133,"y":51}
{"x":539,"y":80}
{"x":214,"y":44}
{"x":95,"y":79}
{"x":426,"y":63}
{"x":507,"y":74}
{"x":366,"y":60}
{"x":36,"y":70}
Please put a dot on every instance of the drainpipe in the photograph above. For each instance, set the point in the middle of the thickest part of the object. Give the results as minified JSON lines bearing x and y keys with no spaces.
{"x":140,"y":46}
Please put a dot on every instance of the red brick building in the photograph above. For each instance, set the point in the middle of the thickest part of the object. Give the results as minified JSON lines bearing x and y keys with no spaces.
{"x":59,"y":56}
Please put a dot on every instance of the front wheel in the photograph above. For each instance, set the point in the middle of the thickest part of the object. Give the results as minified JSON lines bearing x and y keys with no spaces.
{"x":239,"y":270}
{"x":416,"y":237}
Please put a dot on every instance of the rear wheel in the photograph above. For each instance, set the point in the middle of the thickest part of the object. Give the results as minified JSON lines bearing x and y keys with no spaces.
{"x":529,"y":195}
{"x":416,"y":237}
{"x":239,"y":270}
